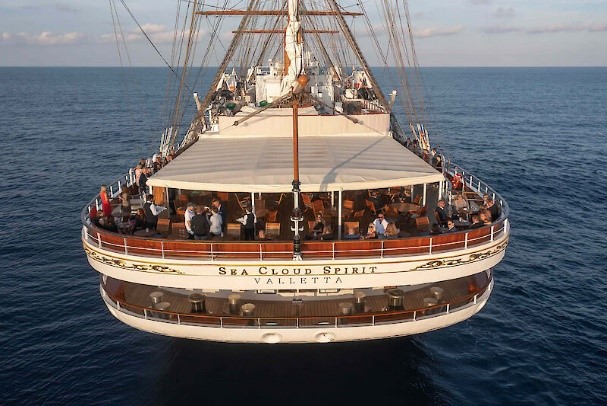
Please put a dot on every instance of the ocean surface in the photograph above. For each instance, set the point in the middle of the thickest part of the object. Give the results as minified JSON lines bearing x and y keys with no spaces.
{"x":538,"y":135}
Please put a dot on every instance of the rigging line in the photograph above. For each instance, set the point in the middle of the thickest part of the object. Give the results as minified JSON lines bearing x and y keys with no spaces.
{"x":149,"y":40}
{"x":346,"y":30}
{"x":165,"y":112}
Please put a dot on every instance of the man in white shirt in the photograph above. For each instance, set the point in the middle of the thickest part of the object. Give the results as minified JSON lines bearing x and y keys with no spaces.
{"x":380,"y":224}
{"x":189,"y":213}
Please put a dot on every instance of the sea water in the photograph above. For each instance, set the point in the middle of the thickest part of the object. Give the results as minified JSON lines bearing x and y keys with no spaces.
{"x":537,"y":135}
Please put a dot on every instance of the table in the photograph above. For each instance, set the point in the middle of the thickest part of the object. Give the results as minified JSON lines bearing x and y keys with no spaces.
{"x":404,"y":207}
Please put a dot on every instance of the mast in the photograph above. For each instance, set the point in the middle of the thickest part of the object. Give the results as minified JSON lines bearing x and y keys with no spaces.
{"x":293,"y":83}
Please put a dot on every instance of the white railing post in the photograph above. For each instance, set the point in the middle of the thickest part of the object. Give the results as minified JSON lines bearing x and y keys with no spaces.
{"x":448,"y":307}
{"x":414,"y":315}
{"x":466,"y":241}
{"x":212,"y":255}
{"x":162,"y":248}
{"x":475,"y":296}
{"x":178,"y":319}
{"x":126,"y":251}
{"x":145,"y":313}
{"x":373,"y":320}
{"x":381,"y":253}
{"x":492,"y":227}
{"x":99,"y":240}
{"x":430,"y":246}
{"x":333,"y":250}
{"x":260,"y":252}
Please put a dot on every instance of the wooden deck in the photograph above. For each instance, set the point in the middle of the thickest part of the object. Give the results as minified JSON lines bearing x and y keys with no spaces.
{"x":139,"y":296}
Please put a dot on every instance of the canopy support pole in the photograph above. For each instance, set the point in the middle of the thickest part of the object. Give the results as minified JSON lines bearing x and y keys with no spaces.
{"x":297,"y":216}
{"x":339,"y":219}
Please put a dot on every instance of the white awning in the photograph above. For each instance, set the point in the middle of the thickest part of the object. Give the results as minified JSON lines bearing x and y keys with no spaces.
{"x":326,"y":163}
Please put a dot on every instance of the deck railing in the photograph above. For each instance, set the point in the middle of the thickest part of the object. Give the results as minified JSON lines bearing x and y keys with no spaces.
{"x":222,"y":250}
{"x":354,"y":320}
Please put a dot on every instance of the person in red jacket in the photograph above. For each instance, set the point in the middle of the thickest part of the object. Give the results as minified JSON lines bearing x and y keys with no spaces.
{"x":106,"y":206}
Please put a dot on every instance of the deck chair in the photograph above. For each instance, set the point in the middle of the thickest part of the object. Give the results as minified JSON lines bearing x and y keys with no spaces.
{"x":348,"y":208}
{"x":223,"y":196}
{"x":371,"y":206}
{"x":233,"y":230}
{"x":417,"y":199}
{"x":271,"y":216}
{"x":272,"y":230}
{"x":307,"y":201}
{"x":164,"y":226}
{"x":358,"y":214}
{"x":318,"y":207}
{"x":422,"y":224}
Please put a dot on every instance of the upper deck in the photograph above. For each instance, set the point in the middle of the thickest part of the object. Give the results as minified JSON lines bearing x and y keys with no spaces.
{"x":171,"y":253}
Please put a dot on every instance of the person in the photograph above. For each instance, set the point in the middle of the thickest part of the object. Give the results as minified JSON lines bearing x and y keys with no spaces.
{"x":248,"y":221}
{"x":380,"y":225}
{"x":437,"y":161}
{"x":476,"y":222}
{"x":405,"y":195}
{"x":222,"y":210}
{"x":138,"y":219}
{"x":106,"y":206}
{"x":200,"y":224}
{"x":189,"y":213}
{"x":391,"y":230}
{"x":138,"y":172}
{"x":143,"y":181}
{"x":125,"y":204}
{"x":378,"y":199}
{"x":451,"y":227}
{"x":440,"y":213}
{"x":319,"y":226}
{"x":485,"y":216}
{"x":216,"y":223}
{"x":456,"y":181}
{"x":493,"y":209}
{"x":156,"y":164}
{"x":172,"y":196}
{"x":371,"y":233}
{"x":327,"y":234}
{"x":351,"y":234}
{"x":151,"y":212}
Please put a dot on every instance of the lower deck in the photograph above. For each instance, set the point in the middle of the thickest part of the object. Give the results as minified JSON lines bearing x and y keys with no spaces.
{"x":294,"y":308}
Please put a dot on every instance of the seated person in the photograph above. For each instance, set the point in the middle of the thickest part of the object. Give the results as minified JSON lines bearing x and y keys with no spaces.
{"x":327,"y":234}
{"x":485,"y":216}
{"x":371,"y":234}
{"x":318,"y":228}
{"x":380,"y":224}
{"x":351,"y":234}
{"x":451,"y":227}
{"x":404,"y":196}
{"x":441,"y":213}
{"x":476,"y":222}
{"x":391,"y":230}
{"x":493,"y":208}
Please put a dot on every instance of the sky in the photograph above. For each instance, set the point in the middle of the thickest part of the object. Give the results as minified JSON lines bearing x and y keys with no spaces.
{"x":447,"y":32}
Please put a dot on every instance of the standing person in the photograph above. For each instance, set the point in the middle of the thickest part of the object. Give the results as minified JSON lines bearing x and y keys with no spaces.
{"x":151,"y":213}
{"x":200,"y":224}
{"x":138,"y":172}
{"x":106,"y":206}
{"x":248,"y":221}
{"x":189,"y":213}
{"x":143,"y":181}
{"x":222,"y":210}
{"x":216,"y":222}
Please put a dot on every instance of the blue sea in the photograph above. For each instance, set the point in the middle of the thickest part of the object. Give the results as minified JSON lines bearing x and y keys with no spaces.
{"x":538,"y":135}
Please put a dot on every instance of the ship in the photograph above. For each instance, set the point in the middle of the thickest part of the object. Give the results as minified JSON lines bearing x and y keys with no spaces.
{"x":339,"y":220}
